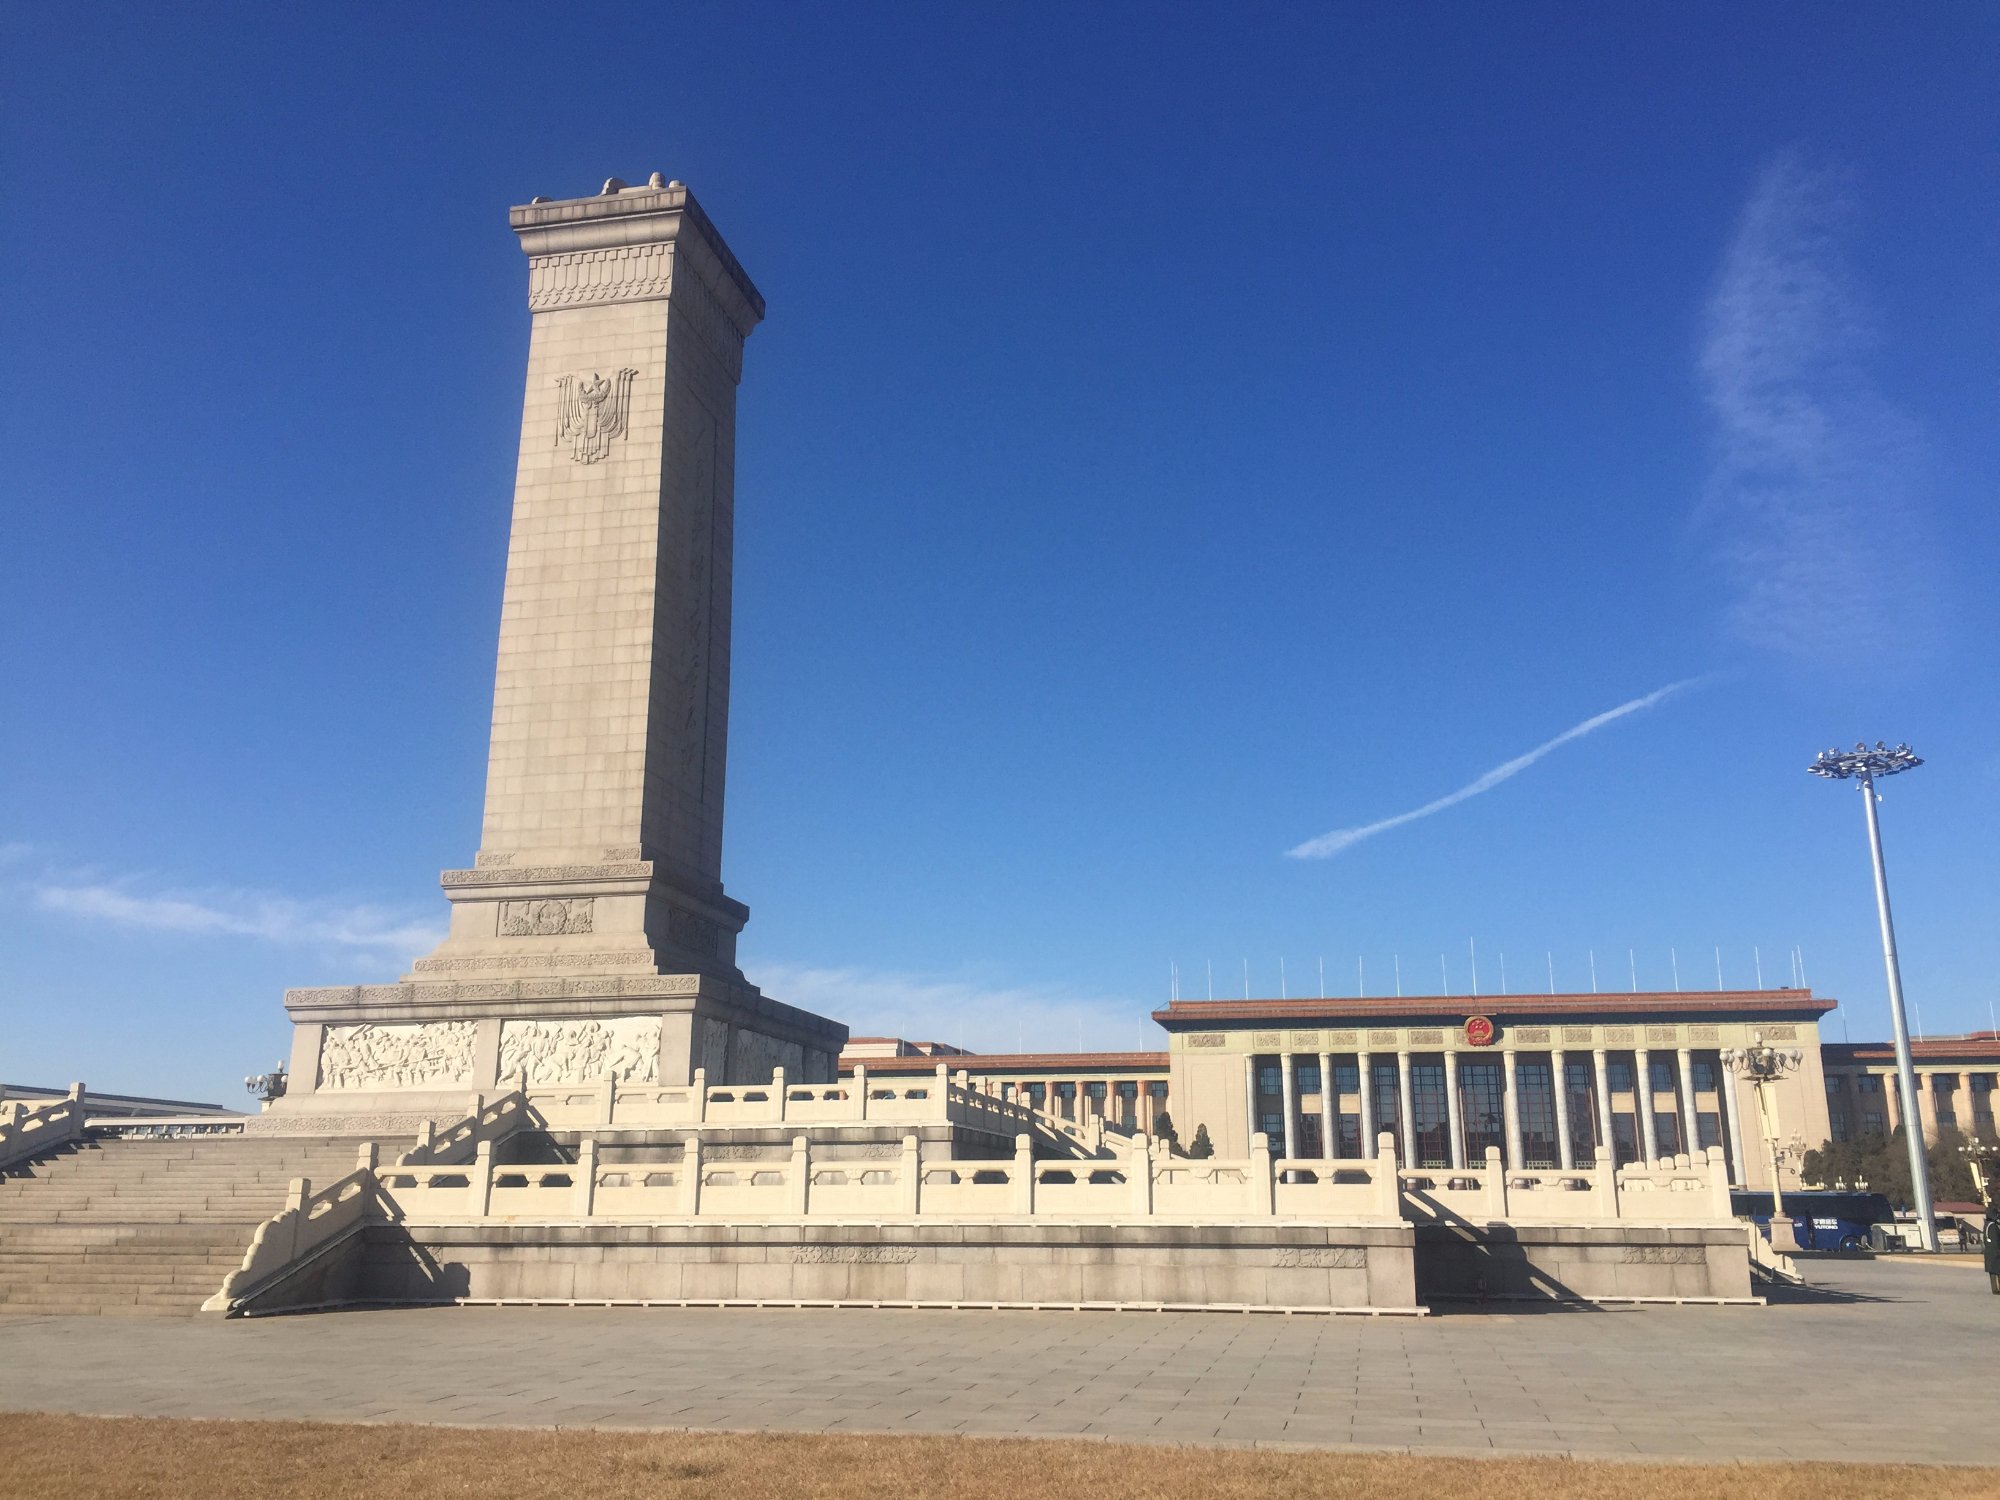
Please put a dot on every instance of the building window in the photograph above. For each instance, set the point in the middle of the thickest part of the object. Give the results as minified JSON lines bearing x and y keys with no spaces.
{"x":1427,"y":1107}
{"x":1535,"y":1102}
{"x":1871,"y":1122}
{"x":1667,"y":1130}
{"x":1624,"y":1139}
{"x":1305,"y":1076}
{"x":1096,"y":1090}
{"x":1618,"y":1073}
{"x":1312,"y":1141}
{"x":1704,"y":1076}
{"x":1661,"y":1075}
{"x":1480,"y":1093}
{"x":1158,"y":1091}
{"x":1038,"y":1095}
{"x":1270,"y":1078}
{"x":1832,"y":1083}
{"x":1582,"y":1114}
{"x":1837,"y":1118}
{"x":1388,"y":1099}
{"x":1346,"y":1078}
{"x":1273,"y":1127}
{"x":1871,"y":1083}
{"x":1708,"y":1128}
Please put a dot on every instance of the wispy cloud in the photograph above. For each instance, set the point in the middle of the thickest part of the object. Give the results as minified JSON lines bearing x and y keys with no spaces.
{"x":966,"y":1012}
{"x":1329,"y":844}
{"x":272,"y":919}
{"x":1813,"y":504}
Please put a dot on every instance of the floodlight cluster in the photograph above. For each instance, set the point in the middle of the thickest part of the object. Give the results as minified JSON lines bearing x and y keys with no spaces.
{"x":1883,"y":760}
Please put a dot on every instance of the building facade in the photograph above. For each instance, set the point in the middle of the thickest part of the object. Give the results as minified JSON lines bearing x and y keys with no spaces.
{"x":1956,"y":1079}
{"x":1551,"y":1081}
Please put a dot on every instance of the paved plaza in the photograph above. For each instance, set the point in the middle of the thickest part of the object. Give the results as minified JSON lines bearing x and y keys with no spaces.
{"x":1883,"y":1361}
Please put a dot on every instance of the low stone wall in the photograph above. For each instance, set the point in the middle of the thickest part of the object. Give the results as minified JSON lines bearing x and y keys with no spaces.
{"x":1297,"y":1267}
{"x":1574,"y":1263}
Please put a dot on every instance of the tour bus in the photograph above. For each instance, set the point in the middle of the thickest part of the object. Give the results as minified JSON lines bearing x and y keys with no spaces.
{"x":1822,"y":1220}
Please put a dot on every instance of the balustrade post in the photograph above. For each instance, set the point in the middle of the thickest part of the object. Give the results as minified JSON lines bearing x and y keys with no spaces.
{"x":1496,"y":1185}
{"x":366,"y":1157}
{"x":778,"y":1088}
{"x":1139,"y":1162}
{"x":610,"y":1098}
{"x":1389,"y":1187}
{"x":910,"y":1181}
{"x":295,"y":1202}
{"x":861,"y":1091}
{"x":1263,"y":1181}
{"x":586,"y":1178}
{"x":1024,"y":1174}
{"x":482,"y":1180}
{"x":426,"y":1141}
{"x":700,"y":1096}
{"x":1718,"y":1184}
{"x":800,"y":1181}
{"x":1607,"y":1188}
{"x":691,"y":1175}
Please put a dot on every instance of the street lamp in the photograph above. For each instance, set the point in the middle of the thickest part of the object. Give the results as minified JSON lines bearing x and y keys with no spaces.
{"x":1865,"y":765}
{"x":267,"y":1086}
{"x":1764,"y":1066}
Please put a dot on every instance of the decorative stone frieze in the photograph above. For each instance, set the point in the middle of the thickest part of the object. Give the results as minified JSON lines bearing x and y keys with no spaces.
{"x":544,"y":918}
{"x":582,"y":1051}
{"x":427,"y":1054}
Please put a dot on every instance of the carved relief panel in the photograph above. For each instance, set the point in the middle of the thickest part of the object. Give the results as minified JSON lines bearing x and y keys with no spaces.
{"x":432,"y":1054}
{"x":544,"y":918}
{"x":582,"y":1051}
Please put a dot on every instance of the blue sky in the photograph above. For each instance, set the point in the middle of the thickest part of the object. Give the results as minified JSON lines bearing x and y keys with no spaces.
{"x":1178,"y":434}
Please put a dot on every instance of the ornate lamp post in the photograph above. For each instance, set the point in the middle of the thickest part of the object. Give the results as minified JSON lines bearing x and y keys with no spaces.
{"x":267,"y":1086}
{"x":1864,"y":765}
{"x":1764,"y":1066}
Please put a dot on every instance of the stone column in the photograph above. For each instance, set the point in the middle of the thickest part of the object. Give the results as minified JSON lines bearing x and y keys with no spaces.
{"x":1725,"y":1083}
{"x":1559,"y":1076}
{"x":1642,"y":1091}
{"x":1606,"y":1154}
{"x":1329,"y":1109}
{"x":1408,"y":1115}
{"x":1690,"y":1119}
{"x":1291,"y":1106}
{"x":1892,"y":1102}
{"x":1250,"y":1097}
{"x":1451,"y":1110}
{"x":1364,"y":1071}
{"x":1510,"y":1108}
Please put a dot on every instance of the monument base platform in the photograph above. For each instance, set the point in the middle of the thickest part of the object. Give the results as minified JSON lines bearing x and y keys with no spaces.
{"x":1584,"y":1263}
{"x":1293,"y":1268}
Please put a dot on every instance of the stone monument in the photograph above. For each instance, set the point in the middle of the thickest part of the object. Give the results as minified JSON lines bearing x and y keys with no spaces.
{"x":592,"y":935}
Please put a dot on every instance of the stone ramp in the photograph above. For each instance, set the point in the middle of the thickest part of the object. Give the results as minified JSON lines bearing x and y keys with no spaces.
{"x":146,"y":1227}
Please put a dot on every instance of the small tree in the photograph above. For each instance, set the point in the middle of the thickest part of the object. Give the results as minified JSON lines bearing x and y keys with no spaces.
{"x":1201,"y":1146}
{"x":1163,"y":1129}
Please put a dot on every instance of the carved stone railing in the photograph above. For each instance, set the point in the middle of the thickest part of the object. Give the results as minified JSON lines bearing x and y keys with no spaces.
{"x":929,"y":1099}
{"x":1675,"y":1190}
{"x":308,"y":1226}
{"x":26,"y":1133}
{"x":612,"y":1181}
{"x":486,"y":1122}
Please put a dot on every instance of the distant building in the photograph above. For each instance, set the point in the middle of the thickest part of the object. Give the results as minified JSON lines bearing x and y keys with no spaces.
{"x":1550,"y":1080}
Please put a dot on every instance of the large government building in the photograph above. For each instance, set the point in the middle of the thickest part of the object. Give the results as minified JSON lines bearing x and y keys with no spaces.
{"x":1551,"y":1081}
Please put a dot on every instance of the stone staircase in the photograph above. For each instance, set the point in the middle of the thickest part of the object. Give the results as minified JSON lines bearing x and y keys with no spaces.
{"x":146,"y":1228}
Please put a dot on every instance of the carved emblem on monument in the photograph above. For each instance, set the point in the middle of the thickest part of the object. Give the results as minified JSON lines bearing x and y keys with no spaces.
{"x":544,"y":918}
{"x":591,"y":411}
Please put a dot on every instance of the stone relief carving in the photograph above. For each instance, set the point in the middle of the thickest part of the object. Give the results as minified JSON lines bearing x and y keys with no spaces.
{"x":1207,"y":1039}
{"x":1664,"y":1255}
{"x":823,"y":1255}
{"x":428,"y":1054}
{"x":548,"y":874}
{"x":591,"y":411}
{"x":582,"y":1051}
{"x":628,"y":273}
{"x":544,"y":918}
{"x":695,"y":933}
{"x":535,"y":961}
{"x":1333,"y":1257}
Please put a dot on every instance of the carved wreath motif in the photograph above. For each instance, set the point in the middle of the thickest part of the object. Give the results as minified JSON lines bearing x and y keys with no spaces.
{"x":591,"y":411}
{"x":544,"y":918}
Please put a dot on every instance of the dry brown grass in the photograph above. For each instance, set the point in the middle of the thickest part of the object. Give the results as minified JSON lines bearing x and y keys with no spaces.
{"x":161,"y":1459}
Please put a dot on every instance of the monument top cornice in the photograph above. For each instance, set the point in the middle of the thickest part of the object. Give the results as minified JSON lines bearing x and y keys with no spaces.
{"x":619,"y":215}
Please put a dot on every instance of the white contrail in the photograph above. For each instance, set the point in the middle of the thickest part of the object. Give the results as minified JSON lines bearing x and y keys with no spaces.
{"x":1328,"y":844}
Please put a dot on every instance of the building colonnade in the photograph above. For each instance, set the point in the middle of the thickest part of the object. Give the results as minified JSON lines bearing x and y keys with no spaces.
{"x":1542,"y":1109}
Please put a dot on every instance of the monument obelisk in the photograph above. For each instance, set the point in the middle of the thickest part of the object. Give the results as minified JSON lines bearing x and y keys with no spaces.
{"x":592,"y":934}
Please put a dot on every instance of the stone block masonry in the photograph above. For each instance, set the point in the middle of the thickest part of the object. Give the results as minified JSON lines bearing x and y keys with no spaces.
{"x":591,"y":934}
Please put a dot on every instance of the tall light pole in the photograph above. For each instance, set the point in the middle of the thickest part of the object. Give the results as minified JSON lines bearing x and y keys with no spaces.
{"x":1764,"y":1066}
{"x":1865,"y":765}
